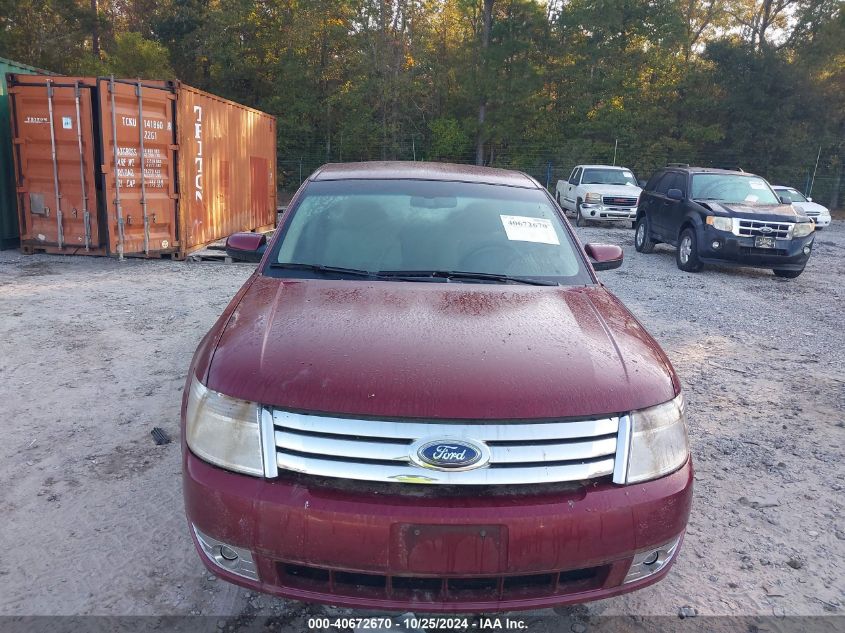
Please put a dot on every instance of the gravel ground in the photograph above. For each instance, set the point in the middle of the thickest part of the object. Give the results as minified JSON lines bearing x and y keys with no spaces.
{"x":93,"y":355}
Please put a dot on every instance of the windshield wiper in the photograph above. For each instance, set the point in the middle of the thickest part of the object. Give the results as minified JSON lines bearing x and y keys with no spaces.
{"x":460,"y":274}
{"x":319,"y":268}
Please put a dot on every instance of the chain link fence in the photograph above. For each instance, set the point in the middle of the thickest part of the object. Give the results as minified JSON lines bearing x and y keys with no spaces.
{"x":547,"y":165}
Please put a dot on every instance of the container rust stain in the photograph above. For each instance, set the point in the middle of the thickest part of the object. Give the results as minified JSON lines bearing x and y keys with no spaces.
{"x":133,"y":167}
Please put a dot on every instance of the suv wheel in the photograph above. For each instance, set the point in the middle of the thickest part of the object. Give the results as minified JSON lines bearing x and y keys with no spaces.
{"x":579,"y":219}
{"x":787,"y":274}
{"x":642,"y":240}
{"x":687,"y":254}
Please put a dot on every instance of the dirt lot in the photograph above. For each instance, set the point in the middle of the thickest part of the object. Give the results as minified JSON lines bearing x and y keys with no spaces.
{"x":93,"y":355}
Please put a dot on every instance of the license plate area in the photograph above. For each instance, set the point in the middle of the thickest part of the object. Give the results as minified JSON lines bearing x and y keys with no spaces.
{"x":764,"y":241}
{"x":449,"y":549}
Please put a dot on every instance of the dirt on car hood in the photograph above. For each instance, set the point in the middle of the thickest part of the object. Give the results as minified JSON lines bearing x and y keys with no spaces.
{"x":438,"y":350}
{"x":775,"y":212}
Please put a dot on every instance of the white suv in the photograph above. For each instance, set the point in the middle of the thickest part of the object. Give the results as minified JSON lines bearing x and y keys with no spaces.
{"x":599,"y":192}
{"x":818,"y":214}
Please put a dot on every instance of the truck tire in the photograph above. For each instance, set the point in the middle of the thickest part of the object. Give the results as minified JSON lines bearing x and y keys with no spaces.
{"x":686,"y":257}
{"x":642,"y":240}
{"x":579,"y":219}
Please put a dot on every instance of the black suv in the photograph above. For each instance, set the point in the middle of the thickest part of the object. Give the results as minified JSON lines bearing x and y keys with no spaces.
{"x":722,"y":216}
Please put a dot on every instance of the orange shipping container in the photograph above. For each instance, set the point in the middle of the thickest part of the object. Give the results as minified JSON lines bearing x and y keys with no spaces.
{"x":131,"y":167}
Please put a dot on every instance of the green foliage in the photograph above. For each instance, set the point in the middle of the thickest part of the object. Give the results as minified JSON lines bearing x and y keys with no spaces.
{"x":718,"y":82}
{"x":134,"y":56}
{"x":448,"y":140}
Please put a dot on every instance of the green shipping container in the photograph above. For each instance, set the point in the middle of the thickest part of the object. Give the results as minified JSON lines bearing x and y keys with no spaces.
{"x":8,"y":199}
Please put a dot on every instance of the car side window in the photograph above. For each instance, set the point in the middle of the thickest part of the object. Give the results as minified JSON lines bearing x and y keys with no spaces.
{"x":665,"y":183}
{"x":572,"y":175}
{"x":577,"y":176}
{"x":679,"y":182}
{"x":652,"y":182}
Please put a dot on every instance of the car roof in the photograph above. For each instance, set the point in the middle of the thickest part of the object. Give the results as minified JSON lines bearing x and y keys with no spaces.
{"x":710,"y":170}
{"x":784,"y":187}
{"x":420,"y":170}
{"x":604,"y":167}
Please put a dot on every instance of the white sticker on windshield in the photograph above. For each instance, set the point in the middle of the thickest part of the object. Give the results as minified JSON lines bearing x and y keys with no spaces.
{"x":757,"y":184}
{"x":751,"y":198}
{"x":627,"y":174}
{"x":521,"y":229}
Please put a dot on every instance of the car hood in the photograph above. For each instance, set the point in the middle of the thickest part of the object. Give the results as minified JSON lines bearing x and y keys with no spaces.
{"x":810,"y":206}
{"x":782,"y":212}
{"x":626,"y":191}
{"x":438,"y":350}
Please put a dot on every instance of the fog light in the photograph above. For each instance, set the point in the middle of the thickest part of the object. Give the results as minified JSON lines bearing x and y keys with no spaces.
{"x":806,"y":250}
{"x":592,"y":212}
{"x":716,"y":244}
{"x":227,"y":553}
{"x":236,"y":560}
{"x":652,"y":561}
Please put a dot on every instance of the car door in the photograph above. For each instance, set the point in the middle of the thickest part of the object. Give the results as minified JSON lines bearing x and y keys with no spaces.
{"x":673,"y":210}
{"x":571,"y":186}
{"x":657,"y":208}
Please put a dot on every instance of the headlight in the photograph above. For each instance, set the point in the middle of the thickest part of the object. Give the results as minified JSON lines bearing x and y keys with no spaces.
{"x":223,"y":431}
{"x":659,"y":442}
{"x":719,"y":223}
{"x":592,"y":198}
{"x":803,"y":229}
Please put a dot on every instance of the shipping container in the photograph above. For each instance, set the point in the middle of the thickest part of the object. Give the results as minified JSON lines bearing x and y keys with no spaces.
{"x":132,"y":167}
{"x":8,"y":202}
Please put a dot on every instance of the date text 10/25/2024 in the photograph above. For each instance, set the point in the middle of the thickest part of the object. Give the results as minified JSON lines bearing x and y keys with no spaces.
{"x":410,"y":622}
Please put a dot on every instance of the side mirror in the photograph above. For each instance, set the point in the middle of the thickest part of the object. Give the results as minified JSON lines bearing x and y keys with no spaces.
{"x":246,"y":247}
{"x":641,"y":183}
{"x":675,"y":194}
{"x":604,"y":256}
{"x":809,"y":199}
{"x":785,"y":199}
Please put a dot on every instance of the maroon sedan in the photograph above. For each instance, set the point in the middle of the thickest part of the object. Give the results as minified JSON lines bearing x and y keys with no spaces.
{"x":423,"y":398}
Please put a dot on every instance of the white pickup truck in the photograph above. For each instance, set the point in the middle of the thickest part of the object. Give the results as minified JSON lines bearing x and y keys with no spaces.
{"x":599,"y":192}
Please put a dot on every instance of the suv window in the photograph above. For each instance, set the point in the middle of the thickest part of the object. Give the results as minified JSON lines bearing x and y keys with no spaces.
{"x":651,"y":185}
{"x":734,"y":188}
{"x":665,"y":183}
{"x":679,"y":181}
{"x":791,"y":194}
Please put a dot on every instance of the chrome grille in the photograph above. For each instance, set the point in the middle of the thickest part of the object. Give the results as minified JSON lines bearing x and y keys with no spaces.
{"x":750,"y":228}
{"x":813,"y":214}
{"x":379,"y":450}
{"x":619,"y":201}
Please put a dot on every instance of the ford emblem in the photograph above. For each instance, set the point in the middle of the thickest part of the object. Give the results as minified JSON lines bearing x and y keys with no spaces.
{"x":765,"y":229}
{"x":449,"y":454}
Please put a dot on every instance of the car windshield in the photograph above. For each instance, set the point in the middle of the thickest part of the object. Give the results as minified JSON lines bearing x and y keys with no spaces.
{"x":791,"y":194}
{"x":608,"y":177}
{"x":734,"y":188}
{"x":410,"y":229}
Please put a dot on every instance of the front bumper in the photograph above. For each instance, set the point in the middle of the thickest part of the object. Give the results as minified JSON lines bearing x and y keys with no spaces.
{"x":821,"y":221}
{"x":604,"y":212}
{"x":740,"y":251}
{"x":441,"y":552}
